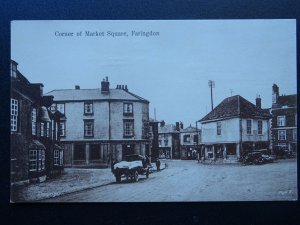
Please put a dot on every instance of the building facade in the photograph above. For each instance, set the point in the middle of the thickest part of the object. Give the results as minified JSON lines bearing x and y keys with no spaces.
{"x":189,"y":142}
{"x":283,"y":122}
{"x":169,"y":142}
{"x":34,"y":133}
{"x":101,"y":125}
{"x":234,"y":127}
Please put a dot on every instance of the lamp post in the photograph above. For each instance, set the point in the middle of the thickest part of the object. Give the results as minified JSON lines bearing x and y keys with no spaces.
{"x":211,"y":84}
{"x":197,"y":143}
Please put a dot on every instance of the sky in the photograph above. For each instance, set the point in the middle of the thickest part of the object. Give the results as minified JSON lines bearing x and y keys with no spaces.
{"x":171,"y":69}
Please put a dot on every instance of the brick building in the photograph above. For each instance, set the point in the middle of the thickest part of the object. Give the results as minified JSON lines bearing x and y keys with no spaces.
{"x":284,"y":122}
{"x":101,"y":125}
{"x":35,"y":149}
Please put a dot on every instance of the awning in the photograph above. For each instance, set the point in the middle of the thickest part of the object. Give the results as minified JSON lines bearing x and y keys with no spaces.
{"x":35,"y":144}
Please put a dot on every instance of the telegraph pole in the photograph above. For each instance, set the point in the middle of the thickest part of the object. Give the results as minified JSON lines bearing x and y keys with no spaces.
{"x":211,"y":84}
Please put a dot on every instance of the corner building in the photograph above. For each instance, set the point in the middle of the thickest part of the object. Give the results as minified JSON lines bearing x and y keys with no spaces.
{"x":101,"y":125}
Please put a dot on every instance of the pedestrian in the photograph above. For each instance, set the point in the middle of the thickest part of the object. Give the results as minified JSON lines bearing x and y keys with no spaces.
{"x":157,"y":164}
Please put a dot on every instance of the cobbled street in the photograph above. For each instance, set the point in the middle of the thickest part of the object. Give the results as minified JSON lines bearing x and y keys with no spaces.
{"x":191,"y":181}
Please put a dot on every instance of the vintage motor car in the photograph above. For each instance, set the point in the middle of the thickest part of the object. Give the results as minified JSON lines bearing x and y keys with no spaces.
{"x":257,"y":157}
{"x":132,"y":167}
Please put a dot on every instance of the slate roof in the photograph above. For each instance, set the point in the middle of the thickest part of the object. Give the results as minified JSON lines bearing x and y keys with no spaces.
{"x":93,"y":94}
{"x":288,"y":100}
{"x":236,"y":106}
{"x":189,"y":129}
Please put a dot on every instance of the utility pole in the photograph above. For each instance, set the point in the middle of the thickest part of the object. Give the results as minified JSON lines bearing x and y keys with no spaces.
{"x":211,"y":84}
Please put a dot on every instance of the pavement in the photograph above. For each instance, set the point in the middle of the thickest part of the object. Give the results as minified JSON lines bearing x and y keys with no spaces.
{"x":71,"y":180}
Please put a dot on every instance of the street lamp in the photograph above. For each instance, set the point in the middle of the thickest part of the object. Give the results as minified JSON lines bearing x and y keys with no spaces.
{"x":211,"y":84}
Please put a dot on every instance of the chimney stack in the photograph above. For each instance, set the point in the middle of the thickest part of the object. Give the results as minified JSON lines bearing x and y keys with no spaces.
{"x":275,"y":94}
{"x":105,"y":86}
{"x":258,"y":101}
{"x":77,"y":87}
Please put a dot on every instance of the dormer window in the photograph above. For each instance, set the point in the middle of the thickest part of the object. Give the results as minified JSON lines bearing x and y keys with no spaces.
{"x":88,"y":108}
{"x":128,"y":109}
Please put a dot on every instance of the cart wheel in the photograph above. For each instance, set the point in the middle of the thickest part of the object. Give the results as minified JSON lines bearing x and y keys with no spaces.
{"x":136,"y":176}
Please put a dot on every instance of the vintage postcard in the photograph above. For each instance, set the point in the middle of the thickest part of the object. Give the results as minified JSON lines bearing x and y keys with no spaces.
{"x":153,"y":110}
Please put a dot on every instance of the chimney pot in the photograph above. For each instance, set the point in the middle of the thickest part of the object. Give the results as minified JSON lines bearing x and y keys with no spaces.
{"x":258,"y":101}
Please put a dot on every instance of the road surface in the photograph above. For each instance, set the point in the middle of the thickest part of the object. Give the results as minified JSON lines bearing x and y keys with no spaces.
{"x":187,"y":180}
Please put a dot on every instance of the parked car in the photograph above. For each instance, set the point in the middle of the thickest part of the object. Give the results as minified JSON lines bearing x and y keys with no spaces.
{"x":284,"y":154}
{"x":132,"y":167}
{"x":257,"y":157}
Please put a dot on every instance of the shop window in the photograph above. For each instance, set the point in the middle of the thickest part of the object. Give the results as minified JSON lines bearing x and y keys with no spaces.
{"x":13,"y":115}
{"x":32,"y":160}
{"x":79,"y":152}
{"x":95,"y":152}
{"x":56,"y":157}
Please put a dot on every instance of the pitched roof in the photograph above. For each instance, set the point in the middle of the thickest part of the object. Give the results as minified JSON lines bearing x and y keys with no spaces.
{"x":235,"y":106}
{"x":93,"y":94}
{"x":168,"y":128}
{"x":189,"y":129}
{"x":288,"y":100}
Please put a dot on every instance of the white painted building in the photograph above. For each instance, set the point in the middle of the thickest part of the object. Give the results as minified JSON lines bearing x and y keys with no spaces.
{"x":101,"y":125}
{"x":233,"y":127}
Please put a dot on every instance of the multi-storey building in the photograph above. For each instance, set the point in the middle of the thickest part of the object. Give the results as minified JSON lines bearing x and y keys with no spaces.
{"x":169,"y":142}
{"x":101,"y":125}
{"x":283,"y":122}
{"x":233,"y":127}
{"x":189,"y":142}
{"x":35,"y":150}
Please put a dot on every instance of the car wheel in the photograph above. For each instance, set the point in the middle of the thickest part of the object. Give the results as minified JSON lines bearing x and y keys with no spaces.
{"x":136,"y":176}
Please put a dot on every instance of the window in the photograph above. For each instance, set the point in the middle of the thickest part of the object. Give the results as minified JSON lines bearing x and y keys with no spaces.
{"x":259,"y":127}
{"x":79,"y":152}
{"x":295,"y":134}
{"x":32,"y":160}
{"x":53,"y":107}
{"x":219,"y":128}
{"x":128,"y":128}
{"x":61,"y":107}
{"x":127,"y":109}
{"x":13,"y":69}
{"x":249,"y":126}
{"x":36,"y":160}
{"x":14,"y":115}
{"x":56,"y":157}
{"x":166,"y":142}
{"x":88,"y":128}
{"x":62,"y":129}
{"x":33,"y":121}
{"x":42,"y":129}
{"x":95,"y":152}
{"x":282,"y":135}
{"x":196,"y":136}
{"x":88,"y":108}
{"x":159,"y":142}
{"x":47,"y":129}
{"x":186,"y":138}
{"x":61,"y":157}
{"x":280,"y":121}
